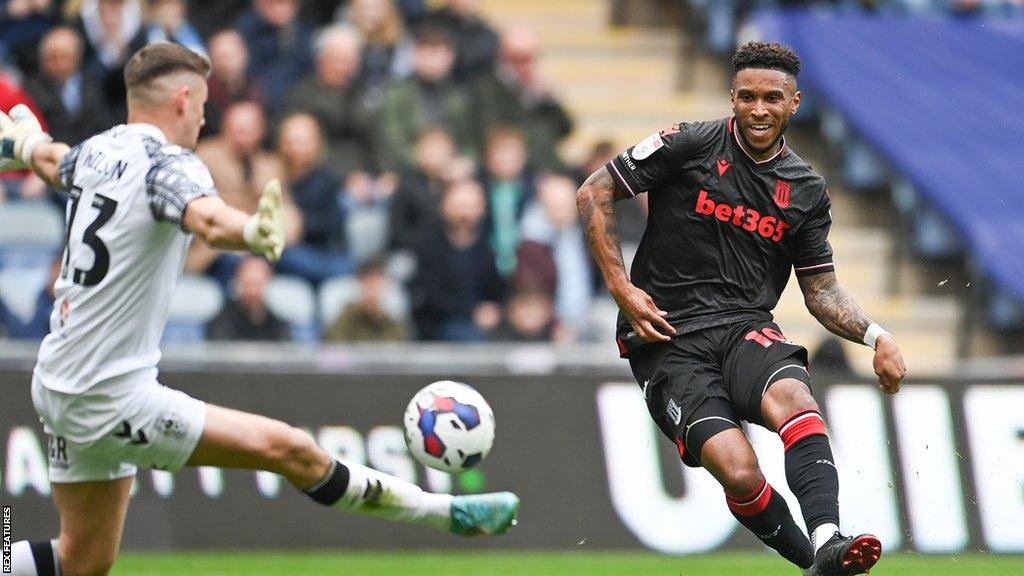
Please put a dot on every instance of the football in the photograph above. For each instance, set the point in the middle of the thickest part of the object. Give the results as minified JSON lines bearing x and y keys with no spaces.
{"x":449,"y":426}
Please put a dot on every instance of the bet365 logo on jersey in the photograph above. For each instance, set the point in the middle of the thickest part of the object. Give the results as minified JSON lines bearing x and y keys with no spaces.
{"x":742,"y":217}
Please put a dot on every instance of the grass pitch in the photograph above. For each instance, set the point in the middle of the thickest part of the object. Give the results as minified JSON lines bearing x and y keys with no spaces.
{"x":532,"y":564}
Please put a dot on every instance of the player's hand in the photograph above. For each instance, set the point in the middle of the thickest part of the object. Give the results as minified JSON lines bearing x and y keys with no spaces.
{"x":264,"y":231}
{"x":643,"y":314}
{"x":888,"y":364}
{"x":20,"y":133}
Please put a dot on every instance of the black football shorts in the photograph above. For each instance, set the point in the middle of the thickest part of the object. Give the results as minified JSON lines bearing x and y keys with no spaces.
{"x":716,"y":376}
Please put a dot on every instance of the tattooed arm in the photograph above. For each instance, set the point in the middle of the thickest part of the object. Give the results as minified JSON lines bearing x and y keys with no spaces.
{"x":833,"y":306}
{"x":836,"y":310}
{"x":595,"y":203}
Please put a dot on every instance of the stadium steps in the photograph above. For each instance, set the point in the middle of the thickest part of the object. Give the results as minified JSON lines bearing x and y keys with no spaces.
{"x":619,"y":82}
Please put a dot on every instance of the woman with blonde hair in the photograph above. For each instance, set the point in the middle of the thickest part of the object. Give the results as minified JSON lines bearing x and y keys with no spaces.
{"x":387,"y":48}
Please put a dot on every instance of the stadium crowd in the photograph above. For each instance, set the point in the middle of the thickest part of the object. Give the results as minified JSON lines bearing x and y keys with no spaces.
{"x":419,"y":148}
{"x":417,"y":145}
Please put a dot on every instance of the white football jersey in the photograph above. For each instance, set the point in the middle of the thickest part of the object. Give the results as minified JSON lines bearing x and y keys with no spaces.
{"x":124,"y":252}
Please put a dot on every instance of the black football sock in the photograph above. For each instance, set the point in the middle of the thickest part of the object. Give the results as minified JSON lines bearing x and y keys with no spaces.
{"x":810,"y":469}
{"x":329,"y":490}
{"x":355,"y":488}
{"x":765,"y":513}
{"x":34,"y":559}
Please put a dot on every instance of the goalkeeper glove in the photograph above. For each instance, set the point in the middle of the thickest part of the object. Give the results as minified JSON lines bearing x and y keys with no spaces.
{"x":20,"y":133}
{"x":264,"y":231}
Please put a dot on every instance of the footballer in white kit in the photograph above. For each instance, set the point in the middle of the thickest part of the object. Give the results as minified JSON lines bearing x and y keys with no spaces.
{"x":136,"y":195}
{"x":95,"y":380}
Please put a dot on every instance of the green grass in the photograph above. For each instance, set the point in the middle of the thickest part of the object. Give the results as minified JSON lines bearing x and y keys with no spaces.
{"x":531,"y":564}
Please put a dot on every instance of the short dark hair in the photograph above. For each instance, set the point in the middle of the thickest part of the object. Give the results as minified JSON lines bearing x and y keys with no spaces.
{"x":767,"y":55}
{"x":432,"y":35}
{"x":373,"y":265}
{"x":157,"y":60}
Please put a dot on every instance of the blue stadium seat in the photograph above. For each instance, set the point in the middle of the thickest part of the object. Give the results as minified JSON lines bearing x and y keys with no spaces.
{"x":1005,"y":311}
{"x":366,"y":232}
{"x":30,"y":234}
{"x":291,"y":298}
{"x":337,"y":293}
{"x":20,"y":288}
{"x":197,"y":300}
{"x":862,"y":167}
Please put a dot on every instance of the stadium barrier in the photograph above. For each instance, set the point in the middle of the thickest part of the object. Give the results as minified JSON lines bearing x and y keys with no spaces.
{"x":938,"y":468}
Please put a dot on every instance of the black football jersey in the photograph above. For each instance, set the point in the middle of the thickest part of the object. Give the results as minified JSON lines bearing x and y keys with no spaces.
{"x":724,"y":230}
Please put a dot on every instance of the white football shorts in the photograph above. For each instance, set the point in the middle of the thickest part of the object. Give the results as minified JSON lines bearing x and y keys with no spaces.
{"x":111,"y":430}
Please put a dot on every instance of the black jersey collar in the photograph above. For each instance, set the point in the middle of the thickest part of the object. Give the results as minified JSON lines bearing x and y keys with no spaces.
{"x":757,"y":164}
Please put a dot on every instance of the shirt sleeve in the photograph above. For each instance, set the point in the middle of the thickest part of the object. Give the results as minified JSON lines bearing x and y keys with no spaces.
{"x":813,"y":251}
{"x":653,"y":160}
{"x":66,"y":172}
{"x":176,"y":178}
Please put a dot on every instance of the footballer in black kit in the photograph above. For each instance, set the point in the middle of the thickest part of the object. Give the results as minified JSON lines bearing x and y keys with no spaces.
{"x":733,"y":212}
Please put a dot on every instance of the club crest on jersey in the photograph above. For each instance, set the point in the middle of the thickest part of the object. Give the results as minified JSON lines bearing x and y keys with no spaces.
{"x":647,"y":146}
{"x":782,"y":194}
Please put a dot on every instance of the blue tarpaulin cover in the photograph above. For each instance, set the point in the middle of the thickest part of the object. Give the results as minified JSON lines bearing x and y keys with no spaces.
{"x":943,"y":101}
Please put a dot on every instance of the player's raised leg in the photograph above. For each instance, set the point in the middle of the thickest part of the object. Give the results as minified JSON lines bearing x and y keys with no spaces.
{"x":789,"y":408}
{"x":234,"y":439}
{"x":91,"y":521}
{"x":730,"y":458}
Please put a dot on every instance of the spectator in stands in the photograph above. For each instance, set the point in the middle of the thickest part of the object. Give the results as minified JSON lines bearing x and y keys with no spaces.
{"x":509,"y":186}
{"x":22,"y":183}
{"x":22,"y":24}
{"x":72,"y":103}
{"x":428,"y":98}
{"x":601,"y":152}
{"x":167,"y":21}
{"x":279,"y":47}
{"x":416,"y":207}
{"x":518,"y":94}
{"x":228,"y":82}
{"x":246,"y":317}
{"x":631,"y":216}
{"x":365,"y":320}
{"x":413,"y":11}
{"x":552,"y":221}
{"x":830,"y":357}
{"x":457,"y":291}
{"x":332,"y":94}
{"x":211,"y":17}
{"x":367,"y":202}
{"x":240,"y":168}
{"x":387,"y":49}
{"x":321,"y":252}
{"x":476,"y":43}
{"x":108,"y":27}
{"x":528,"y":317}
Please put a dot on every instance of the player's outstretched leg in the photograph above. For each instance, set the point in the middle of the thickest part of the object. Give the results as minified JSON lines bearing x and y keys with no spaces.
{"x":812,"y":476}
{"x":233,"y":439}
{"x":731,"y":460}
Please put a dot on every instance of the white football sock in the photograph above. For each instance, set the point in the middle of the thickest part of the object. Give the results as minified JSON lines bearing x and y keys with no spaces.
{"x":822,"y":534}
{"x":377,"y":494}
